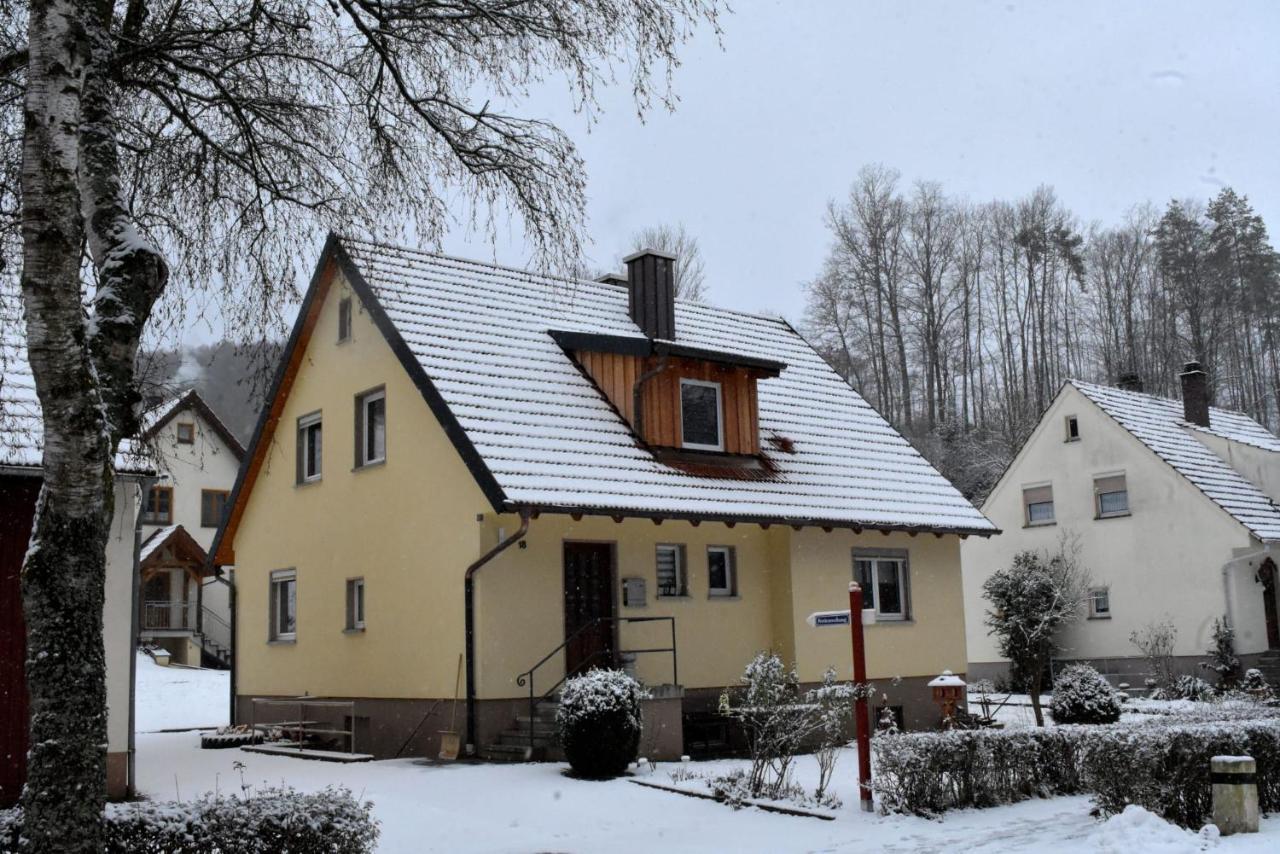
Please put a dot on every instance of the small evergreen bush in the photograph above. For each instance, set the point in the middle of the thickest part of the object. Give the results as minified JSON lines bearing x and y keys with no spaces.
{"x":1187,"y":688}
{"x":599,"y":723}
{"x":1082,"y":696}
{"x":1222,"y":656}
{"x":1255,"y":684}
{"x":270,"y":821}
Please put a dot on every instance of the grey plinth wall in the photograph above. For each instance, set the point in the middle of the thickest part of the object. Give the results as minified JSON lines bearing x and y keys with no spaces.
{"x":1235,"y":794}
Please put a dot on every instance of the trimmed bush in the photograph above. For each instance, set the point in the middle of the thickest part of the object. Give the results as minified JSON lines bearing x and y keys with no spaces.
{"x":1161,"y":764}
{"x":599,"y":723}
{"x":1082,"y":696}
{"x":271,"y":821}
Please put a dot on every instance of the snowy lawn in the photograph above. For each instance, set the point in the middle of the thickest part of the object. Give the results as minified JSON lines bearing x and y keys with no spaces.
{"x":425,"y":806}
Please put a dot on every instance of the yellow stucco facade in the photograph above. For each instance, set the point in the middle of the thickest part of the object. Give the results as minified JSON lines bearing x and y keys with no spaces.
{"x":412,"y":525}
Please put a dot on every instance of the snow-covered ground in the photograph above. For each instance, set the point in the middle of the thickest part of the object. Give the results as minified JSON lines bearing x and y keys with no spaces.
{"x":426,"y":807}
{"x":176,"y":697}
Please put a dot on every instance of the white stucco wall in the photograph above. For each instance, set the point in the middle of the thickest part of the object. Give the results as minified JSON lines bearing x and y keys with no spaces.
{"x":1164,"y":560}
{"x":206,"y":464}
{"x":118,"y":613}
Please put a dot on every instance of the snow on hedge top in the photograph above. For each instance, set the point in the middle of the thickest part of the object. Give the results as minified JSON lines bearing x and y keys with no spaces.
{"x":1159,"y":424}
{"x":21,"y":426}
{"x":550,"y":439}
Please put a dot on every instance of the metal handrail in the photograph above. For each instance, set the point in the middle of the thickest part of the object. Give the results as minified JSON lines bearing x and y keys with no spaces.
{"x":217,"y":618}
{"x":160,"y":613}
{"x":527,"y":676}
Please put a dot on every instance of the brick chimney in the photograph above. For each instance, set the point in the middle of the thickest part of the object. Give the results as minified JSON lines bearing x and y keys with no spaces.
{"x":1130,"y":382}
{"x":651,"y":283}
{"x":1195,"y":394}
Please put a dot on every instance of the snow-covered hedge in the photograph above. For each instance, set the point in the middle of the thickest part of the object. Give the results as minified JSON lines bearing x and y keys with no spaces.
{"x":599,"y":722}
{"x":270,"y":821}
{"x":1160,"y":764}
{"x":1081,"y":695}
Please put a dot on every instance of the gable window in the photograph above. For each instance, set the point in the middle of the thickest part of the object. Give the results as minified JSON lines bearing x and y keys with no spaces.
{"x":1111,"y":496}
{"x":371,"y":427}
{"x":284,"y":605}
{"x":186,"y":433}
{"x":344,"y":319}
{"x":355,"y":604}
{"x":310,"y":447}
{"x":1073,"y":429}
{"x":722,"y":571}
{"x":158,"y":509}
{"x":672,"y":579}
{"x":1100,"y":603}
{"x":1037,"y":502}
{"x":883,"y":576}
{"x":700,"y":427}
{"x":213,"y":503}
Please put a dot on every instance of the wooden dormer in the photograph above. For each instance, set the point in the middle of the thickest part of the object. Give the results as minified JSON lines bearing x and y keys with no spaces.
{"x":664,"y":379}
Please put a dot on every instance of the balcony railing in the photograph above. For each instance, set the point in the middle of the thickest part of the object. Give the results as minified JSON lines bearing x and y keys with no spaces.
{"x":164,"y":614}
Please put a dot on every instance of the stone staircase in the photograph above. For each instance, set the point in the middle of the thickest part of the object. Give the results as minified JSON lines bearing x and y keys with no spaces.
{"x":213,"y":653}
{"x":513,"y":743}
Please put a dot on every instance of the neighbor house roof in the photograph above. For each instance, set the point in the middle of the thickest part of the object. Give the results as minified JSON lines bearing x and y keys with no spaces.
{"x":21,"y":425}
{"x":160,"y":415}
{"x":1159,"y":423}
{"x":480,"y":342}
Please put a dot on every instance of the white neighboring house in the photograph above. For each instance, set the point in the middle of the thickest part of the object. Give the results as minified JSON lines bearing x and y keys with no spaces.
{"x":1173,"y":505}
{"x":185,"y":607}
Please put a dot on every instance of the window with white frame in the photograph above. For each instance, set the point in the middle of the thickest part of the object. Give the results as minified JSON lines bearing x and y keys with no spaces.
{"x":722,"y":571}
{"x":1100,"y":603}
{"x":672,"y":579}
{"x":310,"y":447}
{"x":883,"y":577}
{"x":1111,"y":495}
{"x":1037,"y":502}
{"x":355,"y":604}
{"x":371,"y":427}
{"x":700,"y":421}
{"x":1073,"y":428}
{"x":284,"y":605}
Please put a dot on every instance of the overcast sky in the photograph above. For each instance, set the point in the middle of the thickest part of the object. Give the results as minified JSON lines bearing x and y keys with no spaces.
{"x":1112,"y":103}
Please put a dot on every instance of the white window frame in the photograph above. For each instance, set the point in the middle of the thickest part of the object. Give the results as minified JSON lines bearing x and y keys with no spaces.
{"x":719,"y":445}
{"x":682,"y":572}
{"x":1067,"y":422}
{"x":1096,"y":593}
{"x":363,"y":400}
{"x":1099,"y":513}
{"x":277,"y":580}
{"x":875,"y":558}
{"x":731,"y":572}
{"x":356,"y":604}
{"x":1026,"y":506}
{"x":304,"y":440}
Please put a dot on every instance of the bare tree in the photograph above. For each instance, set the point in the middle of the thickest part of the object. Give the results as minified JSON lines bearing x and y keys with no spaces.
{"x":690,"y":272}
{"x":178,"y":144}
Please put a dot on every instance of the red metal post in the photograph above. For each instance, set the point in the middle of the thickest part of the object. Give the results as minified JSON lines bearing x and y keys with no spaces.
{"x":861,"y":713}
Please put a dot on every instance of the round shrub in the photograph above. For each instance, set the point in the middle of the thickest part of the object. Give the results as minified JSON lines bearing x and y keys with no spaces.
{"x":599,"y":722}
{"x":1082,"y":696}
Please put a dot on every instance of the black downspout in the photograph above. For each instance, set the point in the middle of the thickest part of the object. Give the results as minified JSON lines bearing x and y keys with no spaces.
{"x":470,"y":618}
{"x":221,"y":576}
{"x":637,"y":394}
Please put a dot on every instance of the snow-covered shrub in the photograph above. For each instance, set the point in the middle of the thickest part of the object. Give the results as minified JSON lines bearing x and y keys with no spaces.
{"x":832,"y":703}
{"x":599,"y":722}
{"x":1081,"y":695}
{"x":1186,"y":687}
{"x":1222,"y":656}
{"x":269,"y":821}
{"x":1255,"y":684}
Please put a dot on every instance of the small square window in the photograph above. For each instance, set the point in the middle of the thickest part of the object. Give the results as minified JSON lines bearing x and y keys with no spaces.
{"x":355,"y":604}
{"x":310,"y":448}
{"x":1100,"y":603}
{"x":700,"y":427}
{"x":158,"y":509}
{"x":344,"y":319}
{"x":672,"y":579}
{"x":1037,"y":502}
{"x":213,"y":505}
{"x":722,"y":571}
{"x":284,"y":605}
{"x":371,"y":428}
{"x":1073,"y":429}
{"x":884,"y":584}
{"x":186,"y":433}
{"x":1111,"y":496}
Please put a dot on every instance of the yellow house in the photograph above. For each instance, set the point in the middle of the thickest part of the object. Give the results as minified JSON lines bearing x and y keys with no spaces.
{"x":468,"y":467}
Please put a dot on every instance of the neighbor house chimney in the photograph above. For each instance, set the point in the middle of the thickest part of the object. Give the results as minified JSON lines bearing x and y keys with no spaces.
{"x":613,"y":279}
{"x":1130,"y":382}
{"x":1195,"y":394}
{"x":651,"y":283}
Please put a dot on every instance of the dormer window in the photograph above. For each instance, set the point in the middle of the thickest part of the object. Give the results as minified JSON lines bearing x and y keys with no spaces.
{"x":700,"y":415}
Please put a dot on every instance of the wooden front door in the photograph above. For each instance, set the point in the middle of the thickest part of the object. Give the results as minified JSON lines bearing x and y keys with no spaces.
{"x":588,"y":597}
{"x":1267,"y":575}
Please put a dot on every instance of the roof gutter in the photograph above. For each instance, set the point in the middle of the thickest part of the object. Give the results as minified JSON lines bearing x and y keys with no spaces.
{"x":469,"y":610}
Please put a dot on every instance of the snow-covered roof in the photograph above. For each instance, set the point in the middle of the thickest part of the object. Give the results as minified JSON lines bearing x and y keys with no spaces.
{"x":550,"y":440}
{"x":1159,"y":423}
{"x":188,"y":398}
{"x":157,"y":539}
{"x":21,"y":426}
